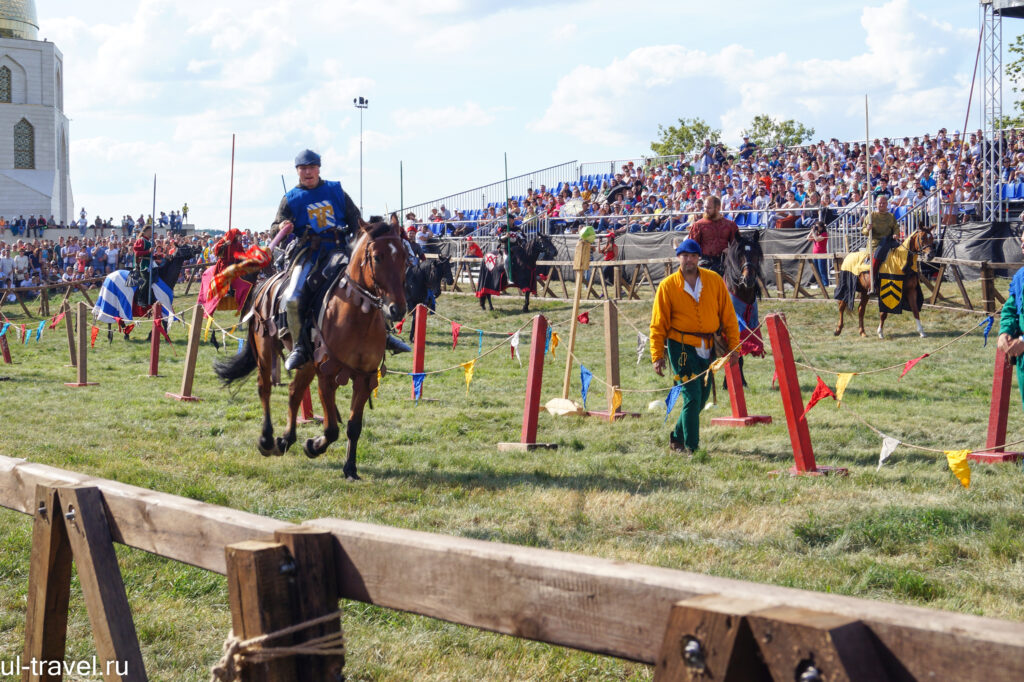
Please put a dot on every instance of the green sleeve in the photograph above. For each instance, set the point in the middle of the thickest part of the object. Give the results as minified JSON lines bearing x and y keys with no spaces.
{"x":1009,"y":321}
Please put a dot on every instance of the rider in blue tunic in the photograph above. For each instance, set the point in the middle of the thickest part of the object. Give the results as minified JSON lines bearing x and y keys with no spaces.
{"x":323,"y":219}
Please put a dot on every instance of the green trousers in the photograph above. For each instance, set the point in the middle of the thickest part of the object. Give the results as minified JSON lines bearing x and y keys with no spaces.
{"x":685,"y":364}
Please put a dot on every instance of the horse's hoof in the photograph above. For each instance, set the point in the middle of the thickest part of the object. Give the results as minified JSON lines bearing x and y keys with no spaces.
{"x":837,"y":332}
{"x":266,"y":452}
{"x":309,"y":447}
{"x":352,"y":476}
{"x":922,"y":334}
{"x":282,"y":446}
{"x":863,"y":335}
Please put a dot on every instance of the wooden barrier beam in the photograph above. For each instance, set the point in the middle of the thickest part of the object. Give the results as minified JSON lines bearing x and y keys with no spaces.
{"x":419,"y":345}
{"x":83,"y":348}
{"x":70,"y":328}
{"x":154,"y":341}
{"x":598,"y":605}
{"x":738,"y":400}
{"x":191,"y":354}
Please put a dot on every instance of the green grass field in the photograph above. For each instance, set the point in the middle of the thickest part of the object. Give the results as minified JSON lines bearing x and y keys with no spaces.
{"x":906,"y":533}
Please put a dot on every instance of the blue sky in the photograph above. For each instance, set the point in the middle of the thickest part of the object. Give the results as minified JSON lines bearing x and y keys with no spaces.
{"x":159,"y":86}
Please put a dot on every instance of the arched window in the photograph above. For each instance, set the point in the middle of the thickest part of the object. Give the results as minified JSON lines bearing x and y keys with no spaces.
{"x":24,"y":145}
{"x":5,"y":84}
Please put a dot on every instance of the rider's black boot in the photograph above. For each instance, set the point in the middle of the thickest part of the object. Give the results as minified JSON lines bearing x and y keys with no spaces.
{"x":301,"y":353}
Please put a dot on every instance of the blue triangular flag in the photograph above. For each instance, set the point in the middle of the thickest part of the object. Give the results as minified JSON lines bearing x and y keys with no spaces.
{"x":585,"y":376}
{"x":988,"y":327}
{"x":479,"y":341}
{"x":417,"y":385}
{"x":3,"y":332}
{"x":241,"y":343}
{"x":670,"y":401}
{"x":547,"y":342}
{"x":39,"y":330}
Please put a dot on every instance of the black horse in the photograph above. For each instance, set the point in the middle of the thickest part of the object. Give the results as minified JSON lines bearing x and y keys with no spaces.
{"x":423,"y":283}
{"x":742,"y":267}
{"x":525,"y":254}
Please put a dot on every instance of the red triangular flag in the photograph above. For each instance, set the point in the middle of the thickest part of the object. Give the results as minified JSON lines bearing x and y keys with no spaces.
{"x":775,"y":378}
{"x":398,"y":327}
{"x":584,"y":318}
{"x":455,"y":334}
{"x":910,"y":364}
{"x":820,"y":391}
{"x":56,"y":321}
{"x":95,"y":333}
{"x":163,"y":331}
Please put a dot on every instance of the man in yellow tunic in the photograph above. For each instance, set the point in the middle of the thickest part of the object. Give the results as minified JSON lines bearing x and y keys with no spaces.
{"x":691,"y":305}
{"x":881,"y":228}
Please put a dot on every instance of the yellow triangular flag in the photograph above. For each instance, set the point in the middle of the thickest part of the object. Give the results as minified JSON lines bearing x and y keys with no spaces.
{"x":206,"y":331}
{"x":719,"y":363}
{"x":958,"y":465}
{"x":841,"y":382}
{"x":554,"y":342}
{"x":616,"y":403}
{"x":231,"y":332}
{"x":467,"y":367}
{"x":379,"y":377}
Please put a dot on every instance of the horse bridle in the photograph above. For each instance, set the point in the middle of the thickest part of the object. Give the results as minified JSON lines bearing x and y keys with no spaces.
{"x":373,"y":295}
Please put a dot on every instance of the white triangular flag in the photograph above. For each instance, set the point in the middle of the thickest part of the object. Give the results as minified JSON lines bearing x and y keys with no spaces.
{"x":641,"y":346}
{"x":515,"y":348}
{"x":888,"y":445}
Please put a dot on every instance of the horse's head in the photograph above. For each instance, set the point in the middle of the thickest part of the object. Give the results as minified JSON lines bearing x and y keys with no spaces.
{"x":378,"y":264}
{"x":743,"y":261}
{"x":548,"y":250}
{"x":443,"y":267}
{"x":923,"y":243}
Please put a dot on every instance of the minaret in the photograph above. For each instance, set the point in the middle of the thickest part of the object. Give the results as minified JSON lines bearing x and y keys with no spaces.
{"x":34,"y":132}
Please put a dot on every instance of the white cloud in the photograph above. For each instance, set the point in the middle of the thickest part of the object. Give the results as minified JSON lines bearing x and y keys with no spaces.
{"x":428,"y":119}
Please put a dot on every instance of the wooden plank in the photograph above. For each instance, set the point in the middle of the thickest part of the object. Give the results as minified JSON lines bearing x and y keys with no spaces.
{"x":174,"y":527}
{"x":113,"y":630}
{"x":49,"y":587}
{"x":619,"y":608}
{"x":599,"y":605}
{"x":261,"y":593}
{"x":85,"y":293}
{"x":938,"y":283}
{"x":958,"y":277}
{"x":798,"y":289}
{"x":316,"y":594}
{"x":779,"y":283}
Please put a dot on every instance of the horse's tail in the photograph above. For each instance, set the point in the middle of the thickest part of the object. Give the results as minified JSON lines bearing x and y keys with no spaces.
{"x":238,"y":366}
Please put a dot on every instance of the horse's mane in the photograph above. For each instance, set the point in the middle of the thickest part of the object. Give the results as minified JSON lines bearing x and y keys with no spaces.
{"x":377,"y":227}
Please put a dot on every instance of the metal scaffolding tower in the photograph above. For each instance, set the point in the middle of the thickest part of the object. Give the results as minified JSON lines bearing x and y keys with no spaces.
{"x":992,"y":110}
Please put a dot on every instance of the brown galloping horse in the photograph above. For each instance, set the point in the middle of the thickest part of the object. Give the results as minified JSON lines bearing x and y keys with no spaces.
{"x":919,"y":245}
{"x":354,"y":334}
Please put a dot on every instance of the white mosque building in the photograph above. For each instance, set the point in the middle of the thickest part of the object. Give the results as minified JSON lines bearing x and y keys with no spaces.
{"x":34,"y":174}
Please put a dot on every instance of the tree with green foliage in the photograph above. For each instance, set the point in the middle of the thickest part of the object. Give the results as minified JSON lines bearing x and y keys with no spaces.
{"x":765,"y":131}
{"x":685,"y":138}
{"x":1015,"y":72}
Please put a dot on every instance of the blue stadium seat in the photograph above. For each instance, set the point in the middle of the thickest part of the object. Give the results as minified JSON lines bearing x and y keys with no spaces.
{"x":899,"y":212}
{"x":754,"y":220}
{"x":1018,"y":190}
{"x":1006,"y":190}
{"x":741,"y":220}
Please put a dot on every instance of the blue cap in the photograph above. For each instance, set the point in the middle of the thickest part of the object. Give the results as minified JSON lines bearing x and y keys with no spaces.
{"x":307,"y":157}
{"x":688,"y":246}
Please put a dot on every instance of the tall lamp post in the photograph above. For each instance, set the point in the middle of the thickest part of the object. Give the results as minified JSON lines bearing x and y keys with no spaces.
{"x":360,"y":104}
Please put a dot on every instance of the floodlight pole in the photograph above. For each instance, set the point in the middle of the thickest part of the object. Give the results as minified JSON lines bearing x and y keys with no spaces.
{"x":360,"y":103}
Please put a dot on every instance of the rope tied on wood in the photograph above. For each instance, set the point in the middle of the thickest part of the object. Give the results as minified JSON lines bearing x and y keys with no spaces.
{"x":239,"y":653}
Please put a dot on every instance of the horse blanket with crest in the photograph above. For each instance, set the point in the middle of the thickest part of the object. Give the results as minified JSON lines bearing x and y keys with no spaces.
{"x":493,"y":280}
{"x":890,"y":275}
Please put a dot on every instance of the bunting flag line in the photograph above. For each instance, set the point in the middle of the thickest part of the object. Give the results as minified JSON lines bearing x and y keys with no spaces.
{"x":616,"y":403}
{"x":547,"y":341}
{"x":241,"y":346}
{"x":641,"y":346}
{"x":888,"y":445}
{"x":479,"y":342}
{"x":92,"y":336}
{"x":910,"y":364}
{"x":957,"y":460}
{"x":398,"y":327}
{"x":456,"y":328}
{"x":24,"y":334}
{"x":515,"y":348}
{"x":3,"y":331}
{"x":555,"y":338}
{"x":379,"y":377}
{"x":719,"y":363}
{"x":671,"y":398}
{"x":585,"y":376}
{"x":39,"y":330}
{"x":841,"y":383}
{"x":231,"y":332}
{"x":57,"y":320}
{"x":206,"y":330}
{"x":167,"y":337}
{"x":467,"y":368}
{"x":820,"y":391}
{"x":584,"y":317}
{"x":988,"y":327}
{"x":417,"y":385}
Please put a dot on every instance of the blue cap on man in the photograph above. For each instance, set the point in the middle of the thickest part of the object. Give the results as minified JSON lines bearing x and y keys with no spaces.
{"x":688,"y":246}
{"x":307,"y":157}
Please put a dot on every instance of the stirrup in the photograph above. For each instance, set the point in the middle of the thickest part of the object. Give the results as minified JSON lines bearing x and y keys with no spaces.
{"x":396,"y":345}
{"x":297,"y":358}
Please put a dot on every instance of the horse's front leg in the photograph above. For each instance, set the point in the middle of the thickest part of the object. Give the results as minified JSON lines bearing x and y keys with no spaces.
{"x":264,"y":354}
{"x":360,"y":394}
{"x":915,"y":307}
{"x":861,"y":307}
{"x":842,"y":311}
{"x":296,"y":392}
{"x":526,"y":306}
{"x":314,"y":447}
{"x":881,"y":323}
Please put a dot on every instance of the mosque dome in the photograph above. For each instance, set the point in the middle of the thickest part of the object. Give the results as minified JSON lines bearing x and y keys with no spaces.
{"x":18,"y":19}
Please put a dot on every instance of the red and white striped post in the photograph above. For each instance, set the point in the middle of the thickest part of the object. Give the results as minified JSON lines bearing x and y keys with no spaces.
{"x":419,"y":346}
{"x":154,"y":341}
{"x":1002,"y":382}
{"x":738,"y":400}
{"x":534,"y":385}
{"x":793,"y":402}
